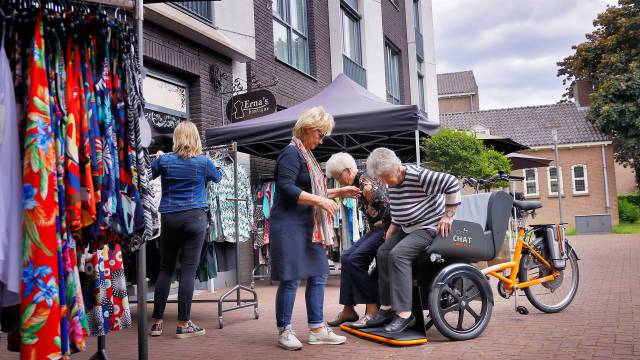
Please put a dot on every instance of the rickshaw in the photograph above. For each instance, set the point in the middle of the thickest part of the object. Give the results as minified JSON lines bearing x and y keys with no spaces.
{"x":458,"y":295}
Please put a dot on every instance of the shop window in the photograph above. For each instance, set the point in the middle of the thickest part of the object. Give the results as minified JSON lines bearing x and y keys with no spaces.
{"x":166,"y":105}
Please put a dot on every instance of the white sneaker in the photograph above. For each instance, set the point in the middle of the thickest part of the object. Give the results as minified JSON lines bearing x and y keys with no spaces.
{"x":326,"y":336}
{"x":289,"y":341}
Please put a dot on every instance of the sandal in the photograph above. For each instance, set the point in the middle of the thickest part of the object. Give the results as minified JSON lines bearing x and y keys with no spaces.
{"x":339,"y":320}
{"x":362,"y":323}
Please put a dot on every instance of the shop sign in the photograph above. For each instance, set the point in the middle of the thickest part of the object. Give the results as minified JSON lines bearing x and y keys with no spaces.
{"x":251,"y":105}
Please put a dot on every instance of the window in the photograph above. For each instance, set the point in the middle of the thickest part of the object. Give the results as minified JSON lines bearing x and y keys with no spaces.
{"x":290,"y":33}
{"x":580,"y":182}
{"x":421,"y":91}
{"x":202,"y":10}
{"x":392,"y":62}
{"x":351,"y":41}
{"x":352,"y":44}
{"x":552,"y":180}
{"x":531,"y":187}
{"x":418,"y":30}
{"x":416,"y":15}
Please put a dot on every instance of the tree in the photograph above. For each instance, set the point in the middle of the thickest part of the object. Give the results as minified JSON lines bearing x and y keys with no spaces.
{"x":610,"y":59}
{"x":461,"y":154}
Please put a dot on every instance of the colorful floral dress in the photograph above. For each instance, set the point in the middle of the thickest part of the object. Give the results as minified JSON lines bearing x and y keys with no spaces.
{"x":40,"y":307}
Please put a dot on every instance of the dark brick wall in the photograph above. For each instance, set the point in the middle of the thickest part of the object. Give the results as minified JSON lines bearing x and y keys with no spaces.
{"x":293,"y":86}
{"x":175,"y":55}
{"x":178,"y":56}
{"x":394,"y":25}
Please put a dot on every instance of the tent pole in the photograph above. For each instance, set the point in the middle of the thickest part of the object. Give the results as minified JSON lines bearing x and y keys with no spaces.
{"x":141,"y":273}
{"x":418,"y":147}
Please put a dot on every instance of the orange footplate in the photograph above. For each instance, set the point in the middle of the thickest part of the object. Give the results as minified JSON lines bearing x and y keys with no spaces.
{"x":405,"y":338}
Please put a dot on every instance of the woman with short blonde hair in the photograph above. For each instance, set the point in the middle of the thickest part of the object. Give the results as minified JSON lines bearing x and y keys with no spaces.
{"x":185,"y":173}
{"x":300,"y":227}
{"x":314,"y":118}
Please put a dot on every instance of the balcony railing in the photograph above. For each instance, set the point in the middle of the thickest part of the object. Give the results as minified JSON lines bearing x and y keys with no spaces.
{"x":356,"y":72}
{"x":419,"y":45}
{"x":199,"y":9}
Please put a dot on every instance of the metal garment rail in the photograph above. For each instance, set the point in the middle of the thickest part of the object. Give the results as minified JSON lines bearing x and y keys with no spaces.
{"x":240,"y":303}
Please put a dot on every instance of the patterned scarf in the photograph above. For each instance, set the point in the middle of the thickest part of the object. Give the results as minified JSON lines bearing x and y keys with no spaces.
{"x":322,"y":223}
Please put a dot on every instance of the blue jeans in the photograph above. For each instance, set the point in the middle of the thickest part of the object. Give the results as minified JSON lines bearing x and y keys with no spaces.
{"x":314,"y":297}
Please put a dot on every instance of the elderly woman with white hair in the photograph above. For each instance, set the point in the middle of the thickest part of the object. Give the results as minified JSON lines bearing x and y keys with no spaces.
{"x":423,"y":203}
{"x":356,"y":285}
{"x":301,"y":227}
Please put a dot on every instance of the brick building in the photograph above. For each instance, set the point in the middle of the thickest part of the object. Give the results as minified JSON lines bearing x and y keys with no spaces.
{"x":458,"y":92}
{"x":587,"y":175}
{"x":183,"y":44}
{"x":197,"y":51}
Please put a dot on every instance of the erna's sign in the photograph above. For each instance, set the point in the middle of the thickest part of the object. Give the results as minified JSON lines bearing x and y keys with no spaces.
{"x":251,"y":105}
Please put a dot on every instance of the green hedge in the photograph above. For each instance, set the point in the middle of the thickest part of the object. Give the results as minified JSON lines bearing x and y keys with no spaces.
{"x":629,"y":208}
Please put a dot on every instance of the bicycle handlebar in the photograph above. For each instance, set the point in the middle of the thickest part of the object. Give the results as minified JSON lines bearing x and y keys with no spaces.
{"x":497,"y":177}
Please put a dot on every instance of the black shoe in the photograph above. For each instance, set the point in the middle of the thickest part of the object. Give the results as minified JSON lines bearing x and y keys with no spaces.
{"x":400,"y":324}
{"x":382,"y":317}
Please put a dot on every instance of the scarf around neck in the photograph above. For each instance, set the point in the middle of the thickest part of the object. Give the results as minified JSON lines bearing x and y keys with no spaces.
{"x":322,"y":223}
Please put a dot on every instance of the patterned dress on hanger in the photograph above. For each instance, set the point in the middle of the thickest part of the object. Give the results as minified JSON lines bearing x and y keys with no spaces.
{"x":40,"y":307}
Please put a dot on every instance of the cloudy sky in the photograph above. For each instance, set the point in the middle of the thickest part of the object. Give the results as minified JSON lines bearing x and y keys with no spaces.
{"x":511,"y":46}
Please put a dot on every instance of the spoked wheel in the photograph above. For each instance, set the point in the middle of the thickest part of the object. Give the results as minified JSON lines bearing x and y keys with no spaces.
{"x":460,"y":302}
{"x":553,"y":296}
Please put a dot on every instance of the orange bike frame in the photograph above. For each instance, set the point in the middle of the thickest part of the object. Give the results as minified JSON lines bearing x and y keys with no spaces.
{"x":512,"y":281}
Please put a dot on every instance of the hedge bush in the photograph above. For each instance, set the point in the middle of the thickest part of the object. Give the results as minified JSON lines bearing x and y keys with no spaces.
{"x":628,"y":210}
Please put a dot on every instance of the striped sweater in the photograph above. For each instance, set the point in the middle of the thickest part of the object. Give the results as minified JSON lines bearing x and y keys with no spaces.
{"x":419,"y":201}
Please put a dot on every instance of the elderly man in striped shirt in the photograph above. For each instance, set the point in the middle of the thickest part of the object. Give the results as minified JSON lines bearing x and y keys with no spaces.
{"x":423,"y":203}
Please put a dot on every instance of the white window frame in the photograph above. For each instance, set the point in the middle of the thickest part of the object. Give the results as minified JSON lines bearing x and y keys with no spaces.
{"x":285,"y":19}
{"x":585,"y":178}
{"x":560,"y":187}
{"x":524,"y":173}
{"x":351,"y":13}
{"x":392,"y":72}
{"x":421,"y":100}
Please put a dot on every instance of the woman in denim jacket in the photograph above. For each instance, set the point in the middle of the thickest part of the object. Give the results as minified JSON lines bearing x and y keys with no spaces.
{"x":184,"y":176}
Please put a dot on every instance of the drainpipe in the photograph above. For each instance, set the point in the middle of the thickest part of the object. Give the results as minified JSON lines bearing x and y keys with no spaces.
{"x":606,"y":181}
{"x":471,"y":103}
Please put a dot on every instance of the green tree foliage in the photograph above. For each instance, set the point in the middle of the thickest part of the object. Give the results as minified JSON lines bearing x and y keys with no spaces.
{"x":610,"y":58}
{"x":461,"y":154}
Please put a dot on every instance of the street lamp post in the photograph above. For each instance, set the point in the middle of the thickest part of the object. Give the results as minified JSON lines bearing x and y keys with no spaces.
{"x":554,"y":132}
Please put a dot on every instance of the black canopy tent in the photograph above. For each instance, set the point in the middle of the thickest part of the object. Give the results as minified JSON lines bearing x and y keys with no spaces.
{"x":363,"y":122}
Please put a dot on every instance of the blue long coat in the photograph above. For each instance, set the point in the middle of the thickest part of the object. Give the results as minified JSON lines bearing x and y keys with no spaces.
{"x":293,"y":255}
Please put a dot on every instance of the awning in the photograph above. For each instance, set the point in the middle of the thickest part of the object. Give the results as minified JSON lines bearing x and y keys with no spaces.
{"x":363,"y":122}
{"x":521,"y":161}
{"x":502,"y":144}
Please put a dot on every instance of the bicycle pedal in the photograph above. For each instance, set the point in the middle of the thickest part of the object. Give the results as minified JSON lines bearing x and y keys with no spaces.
{"x":522,"y":310}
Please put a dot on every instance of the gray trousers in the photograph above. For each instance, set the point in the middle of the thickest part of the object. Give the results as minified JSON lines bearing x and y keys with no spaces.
{"x":394,"y":266}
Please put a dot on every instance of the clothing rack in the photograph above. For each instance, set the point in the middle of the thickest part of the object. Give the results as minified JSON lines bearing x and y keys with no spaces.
{"x":240,"y":303}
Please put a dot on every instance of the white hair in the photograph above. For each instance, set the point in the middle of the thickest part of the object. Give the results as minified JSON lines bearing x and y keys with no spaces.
{"x":337,"y":163}
{"x":382,"y":160}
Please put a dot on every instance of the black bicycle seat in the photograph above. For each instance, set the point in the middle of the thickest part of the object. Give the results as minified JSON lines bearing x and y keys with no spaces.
{"x":527,"y":205}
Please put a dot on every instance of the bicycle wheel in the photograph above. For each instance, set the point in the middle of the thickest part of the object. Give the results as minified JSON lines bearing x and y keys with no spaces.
{"x":553,"y":296}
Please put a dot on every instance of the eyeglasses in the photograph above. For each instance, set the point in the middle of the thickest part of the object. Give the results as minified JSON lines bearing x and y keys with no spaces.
{"x":322,"y":135}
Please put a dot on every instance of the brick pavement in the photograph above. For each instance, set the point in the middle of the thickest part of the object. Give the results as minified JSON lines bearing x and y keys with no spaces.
{"x":603,"y":322}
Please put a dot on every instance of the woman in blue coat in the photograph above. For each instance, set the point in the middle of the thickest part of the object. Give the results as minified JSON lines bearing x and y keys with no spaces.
{"x":301,"y":227}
